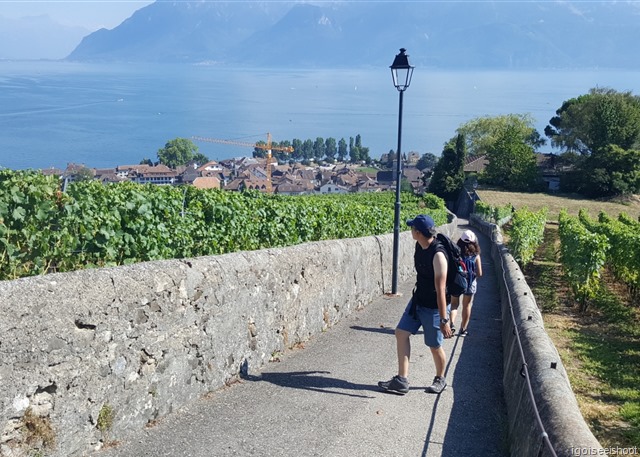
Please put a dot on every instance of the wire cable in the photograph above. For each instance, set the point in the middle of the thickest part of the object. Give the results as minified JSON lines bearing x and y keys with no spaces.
{"x":525,"y":371}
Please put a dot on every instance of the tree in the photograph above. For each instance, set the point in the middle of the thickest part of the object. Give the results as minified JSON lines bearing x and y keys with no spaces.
{"x":200,"y":158}
{"x":176,"y":152}
{"x":342,"y":150}
{"x":83,"y":174}
{"x":260,"y":153}
{"x":354,"y":152}
{"x":391,"y":160}
{"x":448,"y":175}
{"x":364,"y":155}
{"x":606,"y":173}
{"x":481,"y":133}
{"x":307,"y":150}
{"x":297,"y":149}
{"x":511,"y":162}
{"x":405,"y":186}
{"x":358,"y":141}
{"x":592,"y":122}
{"x":318,"y":148}
{"x":330,"y":148}
{"x":427,"y":161}
{"x":282,"y":156}
{"x":364,"y":151}
{"x":600,"y":134}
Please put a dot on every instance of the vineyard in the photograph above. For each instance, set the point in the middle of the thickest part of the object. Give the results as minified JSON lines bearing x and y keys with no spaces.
{"x":583,"y":254}
{"x":623,"y":256}
{"x":527,"y":233}
{"x":586,"y":245}
{"x":43,"y":229}
{"x":526,"y":228}
{"x":585,"y":277}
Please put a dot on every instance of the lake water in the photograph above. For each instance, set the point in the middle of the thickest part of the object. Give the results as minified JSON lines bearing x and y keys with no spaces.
{"x":103,"y":115}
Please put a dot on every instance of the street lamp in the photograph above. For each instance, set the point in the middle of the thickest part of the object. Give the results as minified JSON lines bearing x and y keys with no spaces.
{"x":401,"y":73}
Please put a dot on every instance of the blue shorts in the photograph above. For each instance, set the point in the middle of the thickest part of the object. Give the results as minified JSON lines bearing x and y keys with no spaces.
{"x":471,"y":290}
{"x":428,"y":319}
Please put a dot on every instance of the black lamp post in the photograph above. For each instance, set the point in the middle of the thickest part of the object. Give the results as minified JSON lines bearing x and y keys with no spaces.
{"x":401,"y":72}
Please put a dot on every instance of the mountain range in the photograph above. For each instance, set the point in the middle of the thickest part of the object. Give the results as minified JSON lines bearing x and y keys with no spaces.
{"x":440,"y":34}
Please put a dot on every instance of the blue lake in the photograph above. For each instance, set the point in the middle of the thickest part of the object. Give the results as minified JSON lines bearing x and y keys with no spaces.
{"x":103,"y":115}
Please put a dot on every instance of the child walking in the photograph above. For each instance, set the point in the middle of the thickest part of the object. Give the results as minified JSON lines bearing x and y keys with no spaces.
{"x":470,"y":252}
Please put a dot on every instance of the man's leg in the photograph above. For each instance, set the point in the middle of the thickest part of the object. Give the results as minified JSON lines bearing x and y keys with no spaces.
{"x":434,"y":339}
{"x":407,"y":326}
{"x":403,"y":346}
{"x":439,"y":359}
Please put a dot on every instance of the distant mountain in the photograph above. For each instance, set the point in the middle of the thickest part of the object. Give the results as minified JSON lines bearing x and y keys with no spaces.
{"x":30,"y":38}
{"x":480,"y":34}
{"x":180,"y":31}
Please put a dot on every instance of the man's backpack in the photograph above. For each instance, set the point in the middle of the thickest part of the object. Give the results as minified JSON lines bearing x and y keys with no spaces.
{"x":457,"y":270}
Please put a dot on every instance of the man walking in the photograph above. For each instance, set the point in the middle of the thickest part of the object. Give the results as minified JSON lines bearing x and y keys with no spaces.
{"x":427,"y":308}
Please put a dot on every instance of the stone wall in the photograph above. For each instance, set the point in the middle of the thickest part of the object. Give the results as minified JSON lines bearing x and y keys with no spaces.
{"x":89,"y":356}
{"x":555,"y":401}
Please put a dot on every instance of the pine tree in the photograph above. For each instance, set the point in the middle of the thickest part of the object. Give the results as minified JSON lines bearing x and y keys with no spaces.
{"x":448,"y":175}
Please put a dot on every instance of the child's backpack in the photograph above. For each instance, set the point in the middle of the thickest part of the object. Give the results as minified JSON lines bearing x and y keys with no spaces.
{"x":470,"y":264}
{"x":457,"y":272}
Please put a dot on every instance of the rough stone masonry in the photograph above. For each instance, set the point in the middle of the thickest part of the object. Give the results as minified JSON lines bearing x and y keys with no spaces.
{"x":88,"y":356}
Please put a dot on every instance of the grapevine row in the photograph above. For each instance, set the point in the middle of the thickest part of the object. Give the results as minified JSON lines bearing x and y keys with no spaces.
{"x":491,"y":213}
{"x":583,"y":254}
{"x":91,"y":225}
{"x":623,"y":235}
{"x":527,"y":233}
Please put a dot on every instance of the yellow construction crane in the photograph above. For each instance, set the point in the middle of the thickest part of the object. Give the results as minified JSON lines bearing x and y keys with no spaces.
{"x":268,"y":147}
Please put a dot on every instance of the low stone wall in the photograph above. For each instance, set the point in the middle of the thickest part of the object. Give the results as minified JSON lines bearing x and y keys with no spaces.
{"x":556,"y":403}
{"x":91,"y":355}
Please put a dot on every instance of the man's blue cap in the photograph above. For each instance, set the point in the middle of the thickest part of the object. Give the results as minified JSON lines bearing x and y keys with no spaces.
{"x":423,"y":223}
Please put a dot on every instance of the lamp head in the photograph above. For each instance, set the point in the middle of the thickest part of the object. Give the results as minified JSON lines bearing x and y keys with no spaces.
{"x":401,"y":71}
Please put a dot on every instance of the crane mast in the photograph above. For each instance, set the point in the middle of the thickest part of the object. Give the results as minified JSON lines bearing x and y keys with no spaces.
{"x":268,"y":147}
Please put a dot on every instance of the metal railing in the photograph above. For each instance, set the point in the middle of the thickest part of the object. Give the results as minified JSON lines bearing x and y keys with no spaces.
{"x":525,"y":372}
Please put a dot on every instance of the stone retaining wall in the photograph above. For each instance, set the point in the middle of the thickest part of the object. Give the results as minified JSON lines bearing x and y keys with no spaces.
{"x":556,"y":403}
{"x":91,"y":355}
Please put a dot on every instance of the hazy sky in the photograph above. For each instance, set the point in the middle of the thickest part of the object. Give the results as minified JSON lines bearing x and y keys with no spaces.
{"x":91,"y":14}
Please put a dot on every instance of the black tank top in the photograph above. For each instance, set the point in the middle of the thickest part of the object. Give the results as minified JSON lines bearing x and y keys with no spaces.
{"x":424,"y":293}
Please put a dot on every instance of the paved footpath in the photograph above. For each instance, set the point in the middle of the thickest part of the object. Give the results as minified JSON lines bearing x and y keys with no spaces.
{"x":323,"y":399}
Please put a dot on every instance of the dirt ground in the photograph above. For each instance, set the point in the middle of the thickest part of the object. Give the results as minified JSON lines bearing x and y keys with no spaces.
{"x":555,"y":203}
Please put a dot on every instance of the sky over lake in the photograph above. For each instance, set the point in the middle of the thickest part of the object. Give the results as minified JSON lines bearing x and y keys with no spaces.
{"x":91,"y":15}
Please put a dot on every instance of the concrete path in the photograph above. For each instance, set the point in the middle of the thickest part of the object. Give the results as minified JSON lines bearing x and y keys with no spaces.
{"x":323,"y":399}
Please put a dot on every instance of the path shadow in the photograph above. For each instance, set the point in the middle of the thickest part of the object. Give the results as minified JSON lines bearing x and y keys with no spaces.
{"x":477,"y":423}
{"x":312,"y":380}
{"x":385,"y":330}
{"x":434,"y":411}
